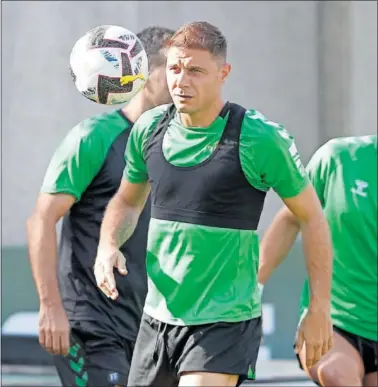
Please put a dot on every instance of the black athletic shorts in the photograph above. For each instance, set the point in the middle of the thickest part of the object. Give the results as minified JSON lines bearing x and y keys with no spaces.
{"x":365,"y":347}
{"x":163,"y":351}
{"x":96,"y":358}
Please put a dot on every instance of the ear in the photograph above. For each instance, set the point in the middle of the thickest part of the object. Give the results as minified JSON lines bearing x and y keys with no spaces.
{"x":224,"y":71}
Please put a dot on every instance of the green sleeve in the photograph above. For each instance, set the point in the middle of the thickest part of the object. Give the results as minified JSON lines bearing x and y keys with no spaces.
{"x":318,"y":168}
{"x":81,"y":155}
{"x":270,"y":158}
{"x":136,"y":168}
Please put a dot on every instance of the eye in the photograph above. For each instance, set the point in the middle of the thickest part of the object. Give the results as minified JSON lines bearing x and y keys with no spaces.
{"x":174,"y":68}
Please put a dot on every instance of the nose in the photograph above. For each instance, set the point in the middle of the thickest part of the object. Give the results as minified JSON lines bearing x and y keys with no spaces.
{"x":182,"y":79}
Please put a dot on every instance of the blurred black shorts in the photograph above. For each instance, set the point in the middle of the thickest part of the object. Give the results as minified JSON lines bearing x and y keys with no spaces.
{"x":96,"y":359}
{"x":163,"y":351}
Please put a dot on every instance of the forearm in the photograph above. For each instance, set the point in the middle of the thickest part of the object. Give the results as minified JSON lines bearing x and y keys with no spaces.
{"x":42,"y":241}
{"x":317,"y":248}
{"x":119,"y":223}
{"x":276,"y":243}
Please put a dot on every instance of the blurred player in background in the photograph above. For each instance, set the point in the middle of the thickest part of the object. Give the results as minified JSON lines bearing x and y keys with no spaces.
{"x":84,"y":173}
{"x":210,"y":164}
{"x":344,"y":174}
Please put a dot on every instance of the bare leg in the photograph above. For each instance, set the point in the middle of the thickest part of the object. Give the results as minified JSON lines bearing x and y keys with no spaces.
{"x":341,"y":366}
{"x":207,"y":379}
{"x":371,"y":380}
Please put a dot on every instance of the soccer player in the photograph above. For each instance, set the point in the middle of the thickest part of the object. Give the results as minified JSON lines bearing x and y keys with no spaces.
{"x":344,"y":174}
{"x":83,"y":175}
{"x":209,"y":164}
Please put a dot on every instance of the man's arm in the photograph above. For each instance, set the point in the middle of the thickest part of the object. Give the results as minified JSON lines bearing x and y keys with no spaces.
{"x":303,"y":213}
{"x":286,"y":226}
{"x":42,"y":243}
{"x":315,"y":329}
{"x":278,"y":240}
{"x":123,"y":211}
{"x":291,"y":182}
{"x":120,"y":220}
{"x":282,"y":170}
{"x":316,"y":242}
{"x":122,"y":214}
{"x":71,"y":169}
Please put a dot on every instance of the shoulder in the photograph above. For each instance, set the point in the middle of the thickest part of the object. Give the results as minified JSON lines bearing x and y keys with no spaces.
{"x":146,"y":124}
{"x":344,"y":149}
{"x":152,"y":116}
{"x":89,"y":141}
{"x":341,"y":147}
{"x":100,"y":129}
{"x":350,"y":144}
{"x":149,"y":119}
{"x":259,"y":129}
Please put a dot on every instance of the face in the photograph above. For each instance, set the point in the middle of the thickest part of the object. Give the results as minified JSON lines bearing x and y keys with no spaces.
{"x":158,"y":83}
{"x":194,"y":78}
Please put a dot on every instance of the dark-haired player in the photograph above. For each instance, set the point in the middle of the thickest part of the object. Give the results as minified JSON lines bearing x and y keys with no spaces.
{"x":83,"y":175}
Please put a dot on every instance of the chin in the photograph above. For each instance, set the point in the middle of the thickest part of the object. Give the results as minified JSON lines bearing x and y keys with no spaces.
{"x":183,"y":108}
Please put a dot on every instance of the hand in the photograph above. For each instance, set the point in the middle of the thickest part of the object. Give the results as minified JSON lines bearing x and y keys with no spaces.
{"x":54,"y":330}
{"x":108,"y":258}
{"x":315,"y":331}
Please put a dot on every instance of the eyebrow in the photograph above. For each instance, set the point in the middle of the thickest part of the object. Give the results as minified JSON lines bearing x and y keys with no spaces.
{"x":196,"y":67}
{"x":190,"y":66}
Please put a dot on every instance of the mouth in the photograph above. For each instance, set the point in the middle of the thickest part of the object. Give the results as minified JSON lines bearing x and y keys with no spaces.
{"x":182,"y":96}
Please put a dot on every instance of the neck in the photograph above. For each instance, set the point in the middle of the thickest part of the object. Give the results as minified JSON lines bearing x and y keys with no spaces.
{"x":140,"y":103}
{"x":203,"y":118}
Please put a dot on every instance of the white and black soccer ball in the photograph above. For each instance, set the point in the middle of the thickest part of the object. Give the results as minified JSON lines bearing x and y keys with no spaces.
{"x":109,"y":65}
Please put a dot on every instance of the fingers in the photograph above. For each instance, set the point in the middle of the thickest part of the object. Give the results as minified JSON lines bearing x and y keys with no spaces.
{"x":121,"y":264}
{"x":330,"y":341}
{"x":64,"y":343}
{"x":109,"y":279}
{"x":299,"y":342}
{"x":104,"y":271}
{"x":104,"y":286}
{"x":100,"y":279}
{"x":105,"y":280}
{"x":42,"y":338}
{"x":111,"y":284}
{"x":317,"y":354}
{"x":48,"y":342}
{"x":55,"y":340}
{"x":325,"y":347}
{"x":310,"y":355}
{"x":327,"y":343}
{"x":56,"y":343}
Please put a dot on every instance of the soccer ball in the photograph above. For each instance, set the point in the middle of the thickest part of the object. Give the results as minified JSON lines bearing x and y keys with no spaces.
{"x":109,"y":65}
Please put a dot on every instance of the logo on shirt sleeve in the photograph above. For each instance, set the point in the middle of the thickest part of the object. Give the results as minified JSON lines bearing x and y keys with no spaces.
{"x":297,"y":159}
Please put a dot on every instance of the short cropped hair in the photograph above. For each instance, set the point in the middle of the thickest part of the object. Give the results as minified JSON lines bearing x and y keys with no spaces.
{"x":200,"y":35}
{"x":154,"y":40}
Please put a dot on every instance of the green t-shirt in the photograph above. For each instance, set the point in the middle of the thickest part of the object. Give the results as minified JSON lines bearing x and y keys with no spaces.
{"x":199,"y":274}
{"x":88,"y":165}
{"x":344,"y":174}
{"x":82,"y":153}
